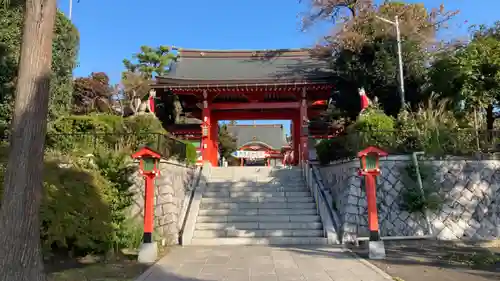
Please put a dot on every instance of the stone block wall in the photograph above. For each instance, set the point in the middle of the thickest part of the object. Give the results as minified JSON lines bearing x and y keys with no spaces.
{"x":171,"y":186}
{"x":470,"y":190}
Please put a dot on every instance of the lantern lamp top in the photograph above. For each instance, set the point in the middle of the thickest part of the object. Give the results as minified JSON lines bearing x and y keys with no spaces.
{"x":372,"y":150}
{"x":146,"y":152}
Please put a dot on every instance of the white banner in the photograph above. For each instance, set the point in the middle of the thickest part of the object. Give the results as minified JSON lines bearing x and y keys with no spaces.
{"x":250,"y":154}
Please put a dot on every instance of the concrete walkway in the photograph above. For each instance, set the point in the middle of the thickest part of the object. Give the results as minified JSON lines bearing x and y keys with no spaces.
{"x":262,"y":263}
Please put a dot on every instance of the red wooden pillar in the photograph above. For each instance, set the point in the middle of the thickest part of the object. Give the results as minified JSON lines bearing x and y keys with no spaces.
{"x":206,"y":139}
{"x":304,"y":128}
{"x":296,"y":138}
{"x":214,"y":127}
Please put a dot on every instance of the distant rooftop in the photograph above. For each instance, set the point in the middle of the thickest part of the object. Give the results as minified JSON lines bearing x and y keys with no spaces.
{"x":246,"y":66}
{"x":270,"y":134}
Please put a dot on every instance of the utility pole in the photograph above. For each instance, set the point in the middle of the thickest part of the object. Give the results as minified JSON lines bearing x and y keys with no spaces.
{"x":400,"y":57}
{"x":70,"y":9}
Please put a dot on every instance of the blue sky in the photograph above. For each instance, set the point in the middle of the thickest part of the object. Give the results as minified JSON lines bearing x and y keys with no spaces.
{"x":111,"y":30}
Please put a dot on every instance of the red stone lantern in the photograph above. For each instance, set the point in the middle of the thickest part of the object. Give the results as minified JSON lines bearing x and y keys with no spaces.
{"x":370,"y":169}
{"x":369,"y":160}
{"x":149,"y":168}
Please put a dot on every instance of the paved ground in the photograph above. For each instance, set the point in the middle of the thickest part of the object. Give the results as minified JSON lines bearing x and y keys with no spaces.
{"x":439,"y":261}
{"x":262,"y":263}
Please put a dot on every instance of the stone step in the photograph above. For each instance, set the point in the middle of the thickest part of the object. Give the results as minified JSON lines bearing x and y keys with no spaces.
{"x":273,"y":188}
{"x":287,"y":205}
{"x":259,"y":218}
{"x":294,"y":184}
{"x":250,"y":212}
{"x":256,"y":199}
{"x":237,"y":182}
{"x":260,"y":241}
{"x":250,"y":226}
{"x":240,"y":180}
{"x":258,"y":233}
{"x":217,"y":194}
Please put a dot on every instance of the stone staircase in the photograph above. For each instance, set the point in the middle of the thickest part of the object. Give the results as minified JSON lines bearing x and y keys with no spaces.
{"x":257,"y":205}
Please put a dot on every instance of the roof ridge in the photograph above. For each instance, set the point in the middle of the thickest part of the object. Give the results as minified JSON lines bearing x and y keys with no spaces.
{"x":254,"y":54}
{"x":243,"y":50}
{"x":256,"y":125}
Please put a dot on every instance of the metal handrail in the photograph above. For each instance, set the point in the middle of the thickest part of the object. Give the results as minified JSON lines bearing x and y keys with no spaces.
{"x":320,"y":197}
{"x":323,"y":196}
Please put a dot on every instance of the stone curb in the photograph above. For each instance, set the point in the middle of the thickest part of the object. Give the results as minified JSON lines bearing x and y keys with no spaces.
{"x":148,"y":272}
{"x":144,"y":276}
{"x":368,"y":264}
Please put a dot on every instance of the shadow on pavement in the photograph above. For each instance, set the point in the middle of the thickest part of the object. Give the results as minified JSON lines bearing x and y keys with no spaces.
{"x":437,"y":260}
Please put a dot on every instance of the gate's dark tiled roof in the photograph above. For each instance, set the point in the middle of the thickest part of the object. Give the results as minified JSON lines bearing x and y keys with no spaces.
{"x":239,"y":67}
{"x":272,"y":135}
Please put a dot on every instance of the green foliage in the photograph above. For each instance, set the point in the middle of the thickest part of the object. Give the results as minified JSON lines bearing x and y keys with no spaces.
{"x":365,"y":54}
{"x":469,"y":75}
{"x":431,"y":128}
{"x":65,"y":51}
{"x":88,"y":180}
{"x":191,"y":155}
{"x":88,"y":133}
{"x":374,"y":66}
{"x":334,"y":149}
{"x":227,"y":143}
{"x":434,"y":129}
{"x":75,"y":213}
{"x":10,"y":42}
{"x":151,"y":61}
{"x":85,"y":202}
{"x":414,"y":200}
{"x":480,"y":64}
{"x":116,"y":168}
{"x":373,"y":128}
{"x":65,"y":47}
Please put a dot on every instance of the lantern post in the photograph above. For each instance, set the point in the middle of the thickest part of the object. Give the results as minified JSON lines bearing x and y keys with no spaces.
{"x":148,"y":167}
{"x":370,"y":169}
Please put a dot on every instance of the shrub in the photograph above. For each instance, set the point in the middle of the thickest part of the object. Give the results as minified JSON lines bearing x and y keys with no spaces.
{"x":372,"y":128}
{"x":115,"y":167}
{"x":375,"y":128}
{"x":334,"y":149}
{"x":85,"y":201}
{"x":434,"y":129}
{"x":414,"y":200}
{"x":89,"y":133}
{"x":191,"y":155}
{"x":75,"y":213}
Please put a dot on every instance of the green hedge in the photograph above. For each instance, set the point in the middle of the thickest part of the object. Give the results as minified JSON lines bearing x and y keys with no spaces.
{"x":84,"y":205}
{"x":85,"y":134}
{"x":405,"y":135}
{"x":87,"y":180}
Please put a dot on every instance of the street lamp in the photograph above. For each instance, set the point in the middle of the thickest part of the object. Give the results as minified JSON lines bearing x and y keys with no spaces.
{"x":400,"y":58}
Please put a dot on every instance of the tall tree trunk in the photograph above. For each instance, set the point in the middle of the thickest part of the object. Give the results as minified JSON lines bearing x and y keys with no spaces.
{"x":490,"y":119}
{"x":20,"y":250}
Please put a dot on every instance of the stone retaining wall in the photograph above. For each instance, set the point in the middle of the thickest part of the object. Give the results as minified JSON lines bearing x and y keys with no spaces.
{"x":470,"y":190}
{"x":173,"y":183}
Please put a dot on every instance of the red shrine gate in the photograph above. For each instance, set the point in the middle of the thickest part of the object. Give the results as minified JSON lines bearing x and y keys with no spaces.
{"x":248,"y":85}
